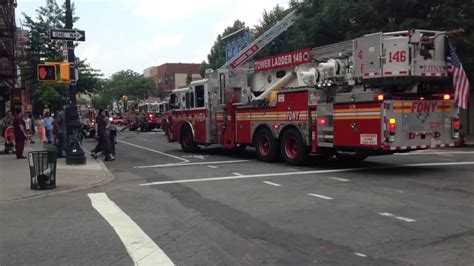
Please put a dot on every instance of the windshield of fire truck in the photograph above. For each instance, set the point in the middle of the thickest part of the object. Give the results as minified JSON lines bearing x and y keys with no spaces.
{"x":153,"y":108}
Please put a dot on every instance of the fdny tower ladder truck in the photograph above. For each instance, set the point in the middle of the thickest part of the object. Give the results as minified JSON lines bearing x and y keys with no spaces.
{"x":379,"y":94}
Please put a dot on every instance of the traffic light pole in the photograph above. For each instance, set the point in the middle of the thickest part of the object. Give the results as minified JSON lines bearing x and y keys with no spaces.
{"x":74,"y":152}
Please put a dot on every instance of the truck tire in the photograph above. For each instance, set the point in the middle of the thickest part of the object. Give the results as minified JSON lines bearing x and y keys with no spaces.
{"x":187,"y":141}
{"x":268,"y":148}
{"x":293,"y":148}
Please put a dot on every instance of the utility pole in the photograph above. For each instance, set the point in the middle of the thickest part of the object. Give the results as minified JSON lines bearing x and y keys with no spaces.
{"x":74,"y":152}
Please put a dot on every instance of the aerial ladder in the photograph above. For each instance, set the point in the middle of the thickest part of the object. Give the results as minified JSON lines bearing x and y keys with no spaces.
{"x":263,"y":40}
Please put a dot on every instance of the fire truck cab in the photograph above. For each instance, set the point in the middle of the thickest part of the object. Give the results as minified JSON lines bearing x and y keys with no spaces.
{"x":150,"y":111}
{"x":375,"y":95}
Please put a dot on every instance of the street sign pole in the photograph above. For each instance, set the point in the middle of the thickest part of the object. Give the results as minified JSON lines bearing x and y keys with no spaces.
{"x":74,"y":152}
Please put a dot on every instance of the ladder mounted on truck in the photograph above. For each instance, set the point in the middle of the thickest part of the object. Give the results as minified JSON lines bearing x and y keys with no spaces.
{"x":267,"y":37}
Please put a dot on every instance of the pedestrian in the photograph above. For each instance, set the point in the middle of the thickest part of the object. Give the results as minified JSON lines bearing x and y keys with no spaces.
{"x":48,"y":125}
{"x":19,"y":128}
{"x":103,"y":137}
{"x":61,"y":133}
{"x":7,"y":122}
{"x":29,"y":129}
{"x":33,"y":125}
{"x":41,"y":129}
{"x":112,"y":132}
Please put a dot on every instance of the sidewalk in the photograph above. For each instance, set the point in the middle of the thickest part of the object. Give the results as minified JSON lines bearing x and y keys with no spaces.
{"x":15,"y":176}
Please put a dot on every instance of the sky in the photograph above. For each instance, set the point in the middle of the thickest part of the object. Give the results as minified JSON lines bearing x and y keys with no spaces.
{"x":137,"y":34}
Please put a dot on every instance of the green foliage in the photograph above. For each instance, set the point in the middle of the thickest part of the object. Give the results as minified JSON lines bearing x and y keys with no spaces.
{"x":133,"y":84}
{"x":216,"y":58}
{"x":125,"y":82}
{"x":53,"y":95}
{"x":330,"y":21}
{"x":102,"y":101}
{"x":89,"y":78}
{"x":202,"y":68}
{"x":270,"y":18}
{"x":43,"y":49}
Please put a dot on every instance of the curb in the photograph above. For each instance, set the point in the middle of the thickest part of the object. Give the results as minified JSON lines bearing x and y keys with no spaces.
{"x":106,"y":179}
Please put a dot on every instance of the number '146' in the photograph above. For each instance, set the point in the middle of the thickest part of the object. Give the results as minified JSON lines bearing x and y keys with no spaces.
{"x":398,"y":56}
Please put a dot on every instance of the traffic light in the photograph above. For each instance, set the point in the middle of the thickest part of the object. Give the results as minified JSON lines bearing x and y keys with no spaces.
{"x":65,"y":72}
{"x":46,"y":72}
{"x":54,"y":72}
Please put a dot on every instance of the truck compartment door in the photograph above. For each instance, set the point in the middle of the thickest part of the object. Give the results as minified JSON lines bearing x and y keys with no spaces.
{"x":358,"y":125}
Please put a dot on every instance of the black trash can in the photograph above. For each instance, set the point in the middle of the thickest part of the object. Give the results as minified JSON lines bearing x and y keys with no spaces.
{"x":42,"y":169}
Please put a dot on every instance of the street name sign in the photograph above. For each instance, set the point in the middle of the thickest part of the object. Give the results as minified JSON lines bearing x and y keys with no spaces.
{"x":67,"y":35}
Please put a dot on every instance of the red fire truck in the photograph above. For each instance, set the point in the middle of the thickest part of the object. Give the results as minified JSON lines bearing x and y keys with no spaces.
{"x":376,"y":95}
{"x":150,"y":112}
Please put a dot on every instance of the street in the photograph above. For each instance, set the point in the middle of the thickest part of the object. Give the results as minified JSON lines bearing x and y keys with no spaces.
{"x":218,"y":207}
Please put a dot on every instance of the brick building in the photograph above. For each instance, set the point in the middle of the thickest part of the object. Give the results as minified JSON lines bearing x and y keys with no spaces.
{"x":170,"y":76}
{"x":7,"y":56}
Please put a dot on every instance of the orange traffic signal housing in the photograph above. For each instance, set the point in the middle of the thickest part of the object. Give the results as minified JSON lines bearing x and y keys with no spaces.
{"x":65,"y":72}
{"x":54,"y":72}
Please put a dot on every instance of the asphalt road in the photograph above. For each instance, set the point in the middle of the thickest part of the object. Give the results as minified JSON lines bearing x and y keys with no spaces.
{"x":223,"y":208}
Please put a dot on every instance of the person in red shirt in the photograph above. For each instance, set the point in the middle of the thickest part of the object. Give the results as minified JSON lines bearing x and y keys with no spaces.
{"x":21,"y":136}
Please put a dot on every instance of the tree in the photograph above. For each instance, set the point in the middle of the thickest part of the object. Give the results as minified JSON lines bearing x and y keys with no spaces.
{"x":330,"y":21}
{"x":89,"y":78}
{"x":202,"y":69}
{"x":268,"y":20}
{"x":216,"y":57}
{"x":42,"y":49}
{"x":130,"y":83}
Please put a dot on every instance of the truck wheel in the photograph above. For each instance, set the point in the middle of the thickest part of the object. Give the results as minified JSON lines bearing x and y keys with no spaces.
{"x":293,"y":149}
{"x":268,"y":149}
{"x":187,"y":141}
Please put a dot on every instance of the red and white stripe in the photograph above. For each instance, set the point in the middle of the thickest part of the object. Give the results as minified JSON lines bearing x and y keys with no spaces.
{"x":417,"y":147}
{"x":397,"y":73}
{"x":371,"y":74}
{"x":462,"y":88}
{"x":434,"y":74}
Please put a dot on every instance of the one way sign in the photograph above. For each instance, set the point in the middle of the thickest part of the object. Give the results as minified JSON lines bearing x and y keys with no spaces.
{"x":67,"y":35}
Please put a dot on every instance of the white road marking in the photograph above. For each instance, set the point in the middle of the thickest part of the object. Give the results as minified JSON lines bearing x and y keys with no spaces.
{"x":155,"y":151}
{"x":212,"y":166}
{"x":188,"y":164}
{"x":387,"y":214}
{"x":272,"y":184}
{"x":202,"y":157}
{"x":237,"y":174}
{"x":139,"y":245}
{"x":360,"y":255}
{"x":208,"y":179}
{"x":320,"y":196}
{"x":339,"y":179}
{"x":431,"y":152}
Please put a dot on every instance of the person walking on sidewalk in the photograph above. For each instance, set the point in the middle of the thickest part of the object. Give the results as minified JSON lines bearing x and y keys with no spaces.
{"x":19,"y":128}
{"x":62,"y":137}
{"x":7,"y":122}
{"x":103,"y":137}
{"x":112,"y":130}
{"x":41,"y":129}
{"x":29,"y":129}
{"x":48,"y":125}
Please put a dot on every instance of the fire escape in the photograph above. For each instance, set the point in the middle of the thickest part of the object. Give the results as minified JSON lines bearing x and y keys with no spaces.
{"x":7,"y":51}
